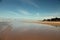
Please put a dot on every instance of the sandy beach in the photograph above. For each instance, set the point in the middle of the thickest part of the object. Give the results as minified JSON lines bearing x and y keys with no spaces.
{"x":53,"y":23}
{"x":28,"y":31}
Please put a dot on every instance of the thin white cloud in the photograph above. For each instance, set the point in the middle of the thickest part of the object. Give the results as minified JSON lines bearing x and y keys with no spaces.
{"x":24,"y":12}
{"x":13,"y":13}
{"x":48,"y":17}
{"x":31,"y":3}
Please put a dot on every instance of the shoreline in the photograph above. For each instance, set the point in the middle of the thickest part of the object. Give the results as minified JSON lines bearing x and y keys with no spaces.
{"x":52,"y":23}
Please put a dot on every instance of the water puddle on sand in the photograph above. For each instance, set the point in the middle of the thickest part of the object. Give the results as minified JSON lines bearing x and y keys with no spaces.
{"x":28,"y":31}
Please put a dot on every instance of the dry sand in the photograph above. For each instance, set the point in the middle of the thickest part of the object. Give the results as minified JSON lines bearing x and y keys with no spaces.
{"x":53,"y":23}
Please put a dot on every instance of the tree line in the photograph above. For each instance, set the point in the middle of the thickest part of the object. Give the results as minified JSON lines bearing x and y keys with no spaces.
{"x":52,"y":19}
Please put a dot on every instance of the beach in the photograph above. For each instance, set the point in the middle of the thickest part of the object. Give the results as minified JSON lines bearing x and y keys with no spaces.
{"x":28,"y":31}
{"x":53,"y":23}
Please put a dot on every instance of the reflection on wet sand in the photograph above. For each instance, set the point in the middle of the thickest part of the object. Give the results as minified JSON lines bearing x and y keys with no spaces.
{"x":28,"y":31}
{"x":5,"y":28}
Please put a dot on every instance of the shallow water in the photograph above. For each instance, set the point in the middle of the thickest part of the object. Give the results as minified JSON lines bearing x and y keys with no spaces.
{"x":28,"y":31}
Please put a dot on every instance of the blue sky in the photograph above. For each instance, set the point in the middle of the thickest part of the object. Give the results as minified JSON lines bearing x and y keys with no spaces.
{"x":29,"y":9}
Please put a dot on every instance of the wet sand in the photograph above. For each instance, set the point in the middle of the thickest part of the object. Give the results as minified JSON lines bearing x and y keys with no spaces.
{"x":28,"y":31}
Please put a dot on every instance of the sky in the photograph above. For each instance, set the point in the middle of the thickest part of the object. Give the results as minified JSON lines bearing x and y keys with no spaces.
{"x":29,"y":9}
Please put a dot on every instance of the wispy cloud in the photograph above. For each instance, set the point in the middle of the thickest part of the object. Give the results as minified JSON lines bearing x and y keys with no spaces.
{"x":24,"y":12}
{"x":31,"y":3}
{"x":48,"y":17}
{"x":51,"y":15}
{"x":10,"y":14}
{"x":13,"y":13}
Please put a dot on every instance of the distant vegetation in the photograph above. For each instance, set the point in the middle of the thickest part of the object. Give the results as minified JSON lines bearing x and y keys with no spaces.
{"x":52,"y":19}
